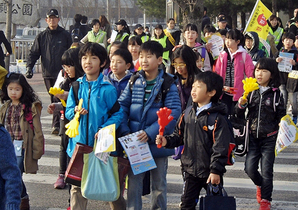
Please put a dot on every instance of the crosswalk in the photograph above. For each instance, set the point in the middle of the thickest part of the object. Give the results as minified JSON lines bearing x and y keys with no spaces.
{"x":236,"y":182}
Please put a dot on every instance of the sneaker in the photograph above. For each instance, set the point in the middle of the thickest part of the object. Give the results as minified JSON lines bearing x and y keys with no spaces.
{"x":60,"y":184}
{"x":68,"y":208}
{"x":265,"y":205}
{"x":25,"y":204}
{"x":259,"y":194}
{"x":55,"y":131}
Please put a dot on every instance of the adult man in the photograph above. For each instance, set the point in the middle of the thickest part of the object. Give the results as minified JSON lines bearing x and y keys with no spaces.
{"x":294,"y":26}
{"x":49,"y":45}
{"x":222,"y":22}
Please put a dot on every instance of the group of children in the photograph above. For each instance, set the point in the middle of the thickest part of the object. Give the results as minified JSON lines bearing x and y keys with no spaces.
{"x":104,"y":81}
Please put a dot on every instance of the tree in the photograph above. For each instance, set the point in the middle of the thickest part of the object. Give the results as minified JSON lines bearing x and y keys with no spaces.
{"x":154,"y":8}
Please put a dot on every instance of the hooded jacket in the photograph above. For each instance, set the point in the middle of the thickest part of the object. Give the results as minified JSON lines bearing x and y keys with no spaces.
{"x":50,"y":46}
{"x":33,"y":139}
{"x":139,"y":116}
{"x":201,"y":156}
{"x":243,"y":66}
{"x":254,"y":52}
{"x":119,"y":84}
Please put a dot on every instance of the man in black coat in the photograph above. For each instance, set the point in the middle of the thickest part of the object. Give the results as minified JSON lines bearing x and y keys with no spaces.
{"x":7,"y":46}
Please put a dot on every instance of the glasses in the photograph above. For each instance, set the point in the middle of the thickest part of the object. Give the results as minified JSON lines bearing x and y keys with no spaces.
{"x":176,"y":65}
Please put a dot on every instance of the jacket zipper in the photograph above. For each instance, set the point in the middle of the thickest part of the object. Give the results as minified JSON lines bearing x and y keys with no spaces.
{"x":89,"y":92}
{"x":259,"y":114}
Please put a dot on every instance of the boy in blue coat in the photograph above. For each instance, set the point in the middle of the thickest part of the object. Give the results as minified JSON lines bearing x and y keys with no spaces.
{"x":140,"y":101}
{"x":99,"y":97}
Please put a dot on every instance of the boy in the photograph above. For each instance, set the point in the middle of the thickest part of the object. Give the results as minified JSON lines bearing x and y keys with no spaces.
{"x":252,"y":46}
{"x":99,"y":96}
{"x":203,"y":159}
{"x":140,"y":101}
{"x":289,"y":80}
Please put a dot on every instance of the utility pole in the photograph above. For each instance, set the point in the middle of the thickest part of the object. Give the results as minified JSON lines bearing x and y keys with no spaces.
{"x":8,"y":28}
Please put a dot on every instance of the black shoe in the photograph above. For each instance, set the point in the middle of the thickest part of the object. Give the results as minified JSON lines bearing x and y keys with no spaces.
{"x":55,"y":131}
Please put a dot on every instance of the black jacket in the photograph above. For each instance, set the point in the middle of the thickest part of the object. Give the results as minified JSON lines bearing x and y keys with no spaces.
{"x":6,"y":44}
{"x":50,"y":45}
{"x":201,"y":156}
{"x":255,"y":53}
{"x":284,"y":75}
{"x":263,"y":120}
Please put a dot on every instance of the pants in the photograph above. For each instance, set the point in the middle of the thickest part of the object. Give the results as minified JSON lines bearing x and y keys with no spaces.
{"x":158,"y":186}
{"x":191,"y":191}
{"x":20,"y":162}
{"x":284,"y":92}
{"x":77,"y":201}
{"x":63,"y":157}
{"x":261,"y":150}
{"x":56,"y":115}
{"x":228,"y":100}
{"x":293,"y":97}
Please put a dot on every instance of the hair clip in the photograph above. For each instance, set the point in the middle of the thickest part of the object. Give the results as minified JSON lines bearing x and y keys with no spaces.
{"x":177,"y":46}
{"x":8,"y":75}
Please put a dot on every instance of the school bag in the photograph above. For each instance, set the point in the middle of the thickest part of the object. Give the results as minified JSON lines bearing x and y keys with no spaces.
{"x":76,"y":34}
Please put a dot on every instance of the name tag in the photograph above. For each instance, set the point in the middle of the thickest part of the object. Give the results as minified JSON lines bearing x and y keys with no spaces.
{"x":18,"y":147}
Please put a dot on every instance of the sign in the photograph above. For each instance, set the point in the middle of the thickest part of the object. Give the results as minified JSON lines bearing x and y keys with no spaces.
{"x":24,"y":12}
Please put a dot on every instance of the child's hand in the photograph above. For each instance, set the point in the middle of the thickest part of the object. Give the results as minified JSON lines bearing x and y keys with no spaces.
{"x":242,"y":101}
{"x":161,"y":140}
{"x":143,"y":136}
{"x":213,"y":178}
{"x":62,"y":96}
{"x":82,"y":111}
{"x":208,"y":47}
{"x":96,"y":135}
{"x":293,"y":63}
{"x":279,"y":59}
{"x":51,"y":108}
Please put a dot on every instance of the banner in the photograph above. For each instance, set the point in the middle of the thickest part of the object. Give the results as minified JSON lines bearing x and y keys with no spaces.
{"x":258,"y":20}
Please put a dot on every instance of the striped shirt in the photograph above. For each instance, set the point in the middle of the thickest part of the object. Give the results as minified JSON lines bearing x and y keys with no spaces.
{"x":148,"y":89}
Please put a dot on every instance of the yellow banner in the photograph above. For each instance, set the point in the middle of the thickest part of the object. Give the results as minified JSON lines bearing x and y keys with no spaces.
{"x":258,"y":20}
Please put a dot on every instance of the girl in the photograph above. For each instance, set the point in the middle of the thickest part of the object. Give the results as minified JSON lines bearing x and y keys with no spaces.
{"x":233,"y":64}
{"x":20,"y":114}
{"x":190,"y":34}
{"x":160,"y":37}
{"x":134,"y":45}
{"x":72,"y":70}
{"x":265,"y":109}
{"x":96,"y":34}
{"x":121,"y":69}
{"x":123,"y":31}
{"x":184,"y":64}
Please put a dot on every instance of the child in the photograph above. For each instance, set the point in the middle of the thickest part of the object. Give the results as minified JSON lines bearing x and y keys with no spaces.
{"x":140,"y":104}
{"x":96,"y":34}
{"x":111,"y":49}
{"x":99,"y":96}
{"x":160,"y":37}
{"x":233,"y":64}
{"x":252,"y":46}
{"x":134,"y":44}
{"x":264,"y":115}
{"x":184,"y":66}
{"x":20,"y":114}
{"x":121,"y":69}
{"x":289,"y":85}
{"x":202,"y":160}
{"x":72,"y":70}
{"x":190,"y":34}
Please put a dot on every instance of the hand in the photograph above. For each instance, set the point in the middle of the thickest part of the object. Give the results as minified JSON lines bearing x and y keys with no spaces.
{"x":293,"y":63}
{"x":208,"y":47}
{"x":161,"y":140}
{"x":82,"y":110}
{"x":51,"y":108}
{"x":96,"y":135}
{"x":7,"y":54}
{"x":29,"y":73}
{"x":213,"y":178}
{"x":143,"y":136}
{"x":242,"y":101}
{"x":279,"y":59}
{"x":62,"y":96}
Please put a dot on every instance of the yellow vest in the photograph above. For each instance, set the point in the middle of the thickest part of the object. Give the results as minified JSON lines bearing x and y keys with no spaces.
{"x":98,"y":38}
{"x":163,"y":42}
{"x":277,"y":34}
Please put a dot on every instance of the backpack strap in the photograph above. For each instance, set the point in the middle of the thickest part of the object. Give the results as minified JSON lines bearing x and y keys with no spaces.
{"x":114,"y":109}
{"x":211,"y":121}
{"x":75,"y":87}
{"x":132,"y":79}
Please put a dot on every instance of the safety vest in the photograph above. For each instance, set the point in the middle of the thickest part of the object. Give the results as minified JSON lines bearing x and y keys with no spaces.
{"x":277,"y":34}
{"x":163,"y":42}
{"x":121,"y":38}
{"x":98,"y":38}
{"x":144,"y":38}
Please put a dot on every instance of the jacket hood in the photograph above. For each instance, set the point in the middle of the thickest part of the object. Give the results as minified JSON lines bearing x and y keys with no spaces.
{"x":239,"y":50}
{"x":255,"y":45}
{"x":215,"y":107}
{"x":113,"y":77}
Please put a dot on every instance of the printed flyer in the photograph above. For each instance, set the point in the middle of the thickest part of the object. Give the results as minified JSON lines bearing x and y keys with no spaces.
{"x":285,"y":65}
{"x":138,"y":153}
{"x":217,"y":44}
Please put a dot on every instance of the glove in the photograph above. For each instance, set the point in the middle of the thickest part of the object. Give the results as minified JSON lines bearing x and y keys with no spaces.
{"x":29,"y":73}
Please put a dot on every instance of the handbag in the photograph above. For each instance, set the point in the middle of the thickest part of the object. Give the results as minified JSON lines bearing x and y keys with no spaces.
{"x":73,"y":174}
{"x":217,"y":199}
{"x":100,"y":181}
{"x":241,"y":135}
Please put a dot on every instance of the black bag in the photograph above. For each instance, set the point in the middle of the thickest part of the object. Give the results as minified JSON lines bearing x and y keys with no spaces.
{"x":217,"y":199}
{"x":241,"y":135}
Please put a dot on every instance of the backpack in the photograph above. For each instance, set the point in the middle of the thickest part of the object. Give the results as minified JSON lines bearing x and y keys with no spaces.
{"x":76,"y":35}
{"x":211,"y":121}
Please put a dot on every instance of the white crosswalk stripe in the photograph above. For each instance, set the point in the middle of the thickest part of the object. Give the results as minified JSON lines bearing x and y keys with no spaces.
{"x":285,"y":181}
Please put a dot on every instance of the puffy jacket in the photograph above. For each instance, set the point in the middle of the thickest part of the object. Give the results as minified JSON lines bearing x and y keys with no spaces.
{"x":50,"y":45}
{"x":241,"y":68}
{"x":264,"y":113}
{"x":255,"y":53}
{"x":140,"y":116}
{"x":119,"y":84}
{"x":98,"y":98}
{"x":201,"y":156}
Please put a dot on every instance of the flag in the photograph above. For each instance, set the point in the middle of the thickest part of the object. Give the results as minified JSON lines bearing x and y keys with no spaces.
{"x":258,"y":20}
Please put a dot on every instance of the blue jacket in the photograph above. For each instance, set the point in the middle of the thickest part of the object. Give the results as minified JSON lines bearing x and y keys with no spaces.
{"x":98,"y":98}
{"x":10,"y":174}
{"x":119,"y":85}
{"x":140,"y":116}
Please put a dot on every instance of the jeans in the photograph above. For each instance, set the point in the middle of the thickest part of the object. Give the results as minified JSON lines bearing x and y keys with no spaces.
{"x":158,"y":187}
{"x":261,"y":150}
{"x":284,"y":92}
{"x":20,"y":162}
{"x":293,"y":97}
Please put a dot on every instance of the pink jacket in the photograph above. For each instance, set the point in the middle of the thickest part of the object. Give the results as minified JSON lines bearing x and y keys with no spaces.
{"x":243,"y":67}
